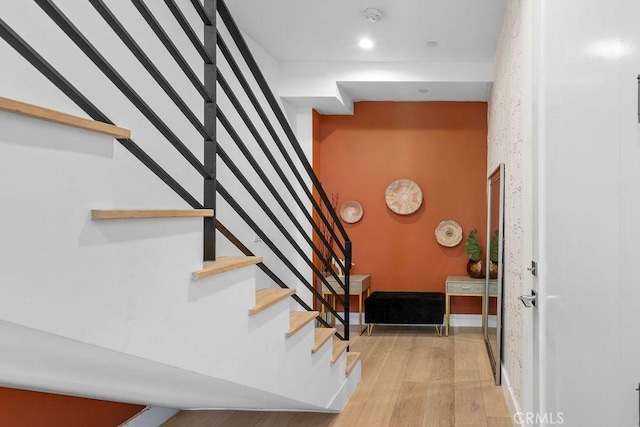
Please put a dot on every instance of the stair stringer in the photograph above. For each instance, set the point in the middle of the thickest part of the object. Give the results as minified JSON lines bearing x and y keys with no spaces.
{"x":265,"y":359}
{"x":37,"y":360}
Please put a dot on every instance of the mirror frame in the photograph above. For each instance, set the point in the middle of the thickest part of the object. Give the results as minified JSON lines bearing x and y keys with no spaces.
{"x":495,"y":181}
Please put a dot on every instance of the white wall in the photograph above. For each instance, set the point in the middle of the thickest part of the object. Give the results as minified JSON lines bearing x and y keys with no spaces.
{"x":508,"y":143}
{"x":135,"y":185}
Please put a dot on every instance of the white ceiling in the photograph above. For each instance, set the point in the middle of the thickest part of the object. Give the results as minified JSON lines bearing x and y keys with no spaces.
{"x":328,"y":31}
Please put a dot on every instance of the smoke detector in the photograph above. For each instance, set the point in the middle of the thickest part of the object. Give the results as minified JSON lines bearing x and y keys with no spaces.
{"x":372,"y":14}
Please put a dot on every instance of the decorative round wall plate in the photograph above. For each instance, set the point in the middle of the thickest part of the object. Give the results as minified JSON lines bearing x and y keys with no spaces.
{"x":403,"y":196}
{"x":449,"y":233}
{"x":351,"y":211}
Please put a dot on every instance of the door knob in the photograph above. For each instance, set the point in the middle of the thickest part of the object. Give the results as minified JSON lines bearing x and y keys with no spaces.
{"x":528,"y":300}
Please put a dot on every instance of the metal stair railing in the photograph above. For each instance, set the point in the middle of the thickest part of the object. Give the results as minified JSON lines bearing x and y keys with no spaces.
{"x":317,"y":211}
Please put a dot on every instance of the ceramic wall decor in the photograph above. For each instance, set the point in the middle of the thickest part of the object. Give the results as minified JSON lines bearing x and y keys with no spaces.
{"x":403,"y":196}
{"x":449,"y":233}
{"x":351,"y":212}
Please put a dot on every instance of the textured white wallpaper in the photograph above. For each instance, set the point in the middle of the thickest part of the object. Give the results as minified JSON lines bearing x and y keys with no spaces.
{"x":505,"y":144}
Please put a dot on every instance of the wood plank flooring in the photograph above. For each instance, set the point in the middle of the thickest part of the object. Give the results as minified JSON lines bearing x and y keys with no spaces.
{"x":410,"y":377}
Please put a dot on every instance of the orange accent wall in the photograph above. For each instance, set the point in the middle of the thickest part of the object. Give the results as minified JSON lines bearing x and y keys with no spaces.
{"x":29,"y":408}
{"x":440,"y":145}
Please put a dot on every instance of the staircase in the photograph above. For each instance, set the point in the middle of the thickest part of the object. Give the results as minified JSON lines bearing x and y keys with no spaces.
{"x":115,"y":304}
{"x":178,"y":270}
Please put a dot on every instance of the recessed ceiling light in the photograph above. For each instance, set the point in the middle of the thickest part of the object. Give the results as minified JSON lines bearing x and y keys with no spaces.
{"x":432,"y":43}
{"x":423,"y":90}
{"x":366,"y":44}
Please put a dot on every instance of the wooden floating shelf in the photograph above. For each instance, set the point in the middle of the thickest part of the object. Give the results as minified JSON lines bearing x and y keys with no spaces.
{"x":42,"y":113}
{"x":149,"y":213}
{"x":265,"y":298}
{"x":299,"y":319}
{"x":223,"y":264}
{"x":322,"y":336}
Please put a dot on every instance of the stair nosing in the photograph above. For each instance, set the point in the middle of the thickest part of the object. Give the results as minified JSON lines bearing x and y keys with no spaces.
{"x":278,"y":295}
{"x":225,"y":264}
{"x":306,"y":318}
{"x":103,"y":214}
{"x":42,"y":113}
{"x":340,"y":346}
{"x":318,"y":345}
{"x":352,"y":360}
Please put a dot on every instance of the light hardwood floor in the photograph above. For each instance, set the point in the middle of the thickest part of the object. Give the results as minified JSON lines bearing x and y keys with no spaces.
{"x":410,"y":377}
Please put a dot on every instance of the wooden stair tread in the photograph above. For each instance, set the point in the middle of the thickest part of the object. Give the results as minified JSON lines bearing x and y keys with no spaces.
{"x":223,"y":264}
{"x":149,"y":213}
{"x":298,"y":319}
{"x":42,"y":113}
{"x":265,"y":298}
{"x":322,"y":336}
{"x":339,"y":347}
{"x":352,"y":358}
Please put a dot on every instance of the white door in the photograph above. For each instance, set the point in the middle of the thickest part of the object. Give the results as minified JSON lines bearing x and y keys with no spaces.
{"x":584,"y":338}
{"x":629,"y":313}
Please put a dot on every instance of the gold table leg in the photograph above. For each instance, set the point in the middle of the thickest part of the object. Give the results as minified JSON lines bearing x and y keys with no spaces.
{"x":360,"y":312}
{"x":447,"y":309}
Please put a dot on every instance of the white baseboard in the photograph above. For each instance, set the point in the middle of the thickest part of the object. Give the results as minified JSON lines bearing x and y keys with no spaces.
{"x":150,"y":417}
{"x":466,"y":320}
{"x":354,"y":319}
{"x":512,"y":403}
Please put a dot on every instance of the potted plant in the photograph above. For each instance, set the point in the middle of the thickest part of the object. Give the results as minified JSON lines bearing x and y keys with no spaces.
{"x":493,"y":256}
{"x":475,"y":266}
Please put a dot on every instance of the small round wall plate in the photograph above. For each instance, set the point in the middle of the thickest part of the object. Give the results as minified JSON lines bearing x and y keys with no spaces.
{"x":449,"y":233}
{"x":403,"y":196}
{"x":351,"y":211}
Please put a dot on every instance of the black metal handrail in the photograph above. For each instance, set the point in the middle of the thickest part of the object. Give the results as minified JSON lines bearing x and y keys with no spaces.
{"x":320,"y":207}
{"x":259,"y":78}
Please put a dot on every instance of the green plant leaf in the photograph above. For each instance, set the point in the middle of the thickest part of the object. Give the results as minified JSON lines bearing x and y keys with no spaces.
{"x":472,"y":246}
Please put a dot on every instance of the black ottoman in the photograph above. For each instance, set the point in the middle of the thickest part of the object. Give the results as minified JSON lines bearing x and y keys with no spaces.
{"x":404,"y":308}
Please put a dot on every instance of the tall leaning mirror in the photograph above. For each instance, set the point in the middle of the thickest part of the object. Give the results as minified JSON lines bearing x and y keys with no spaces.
{"x":492,"y":321}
